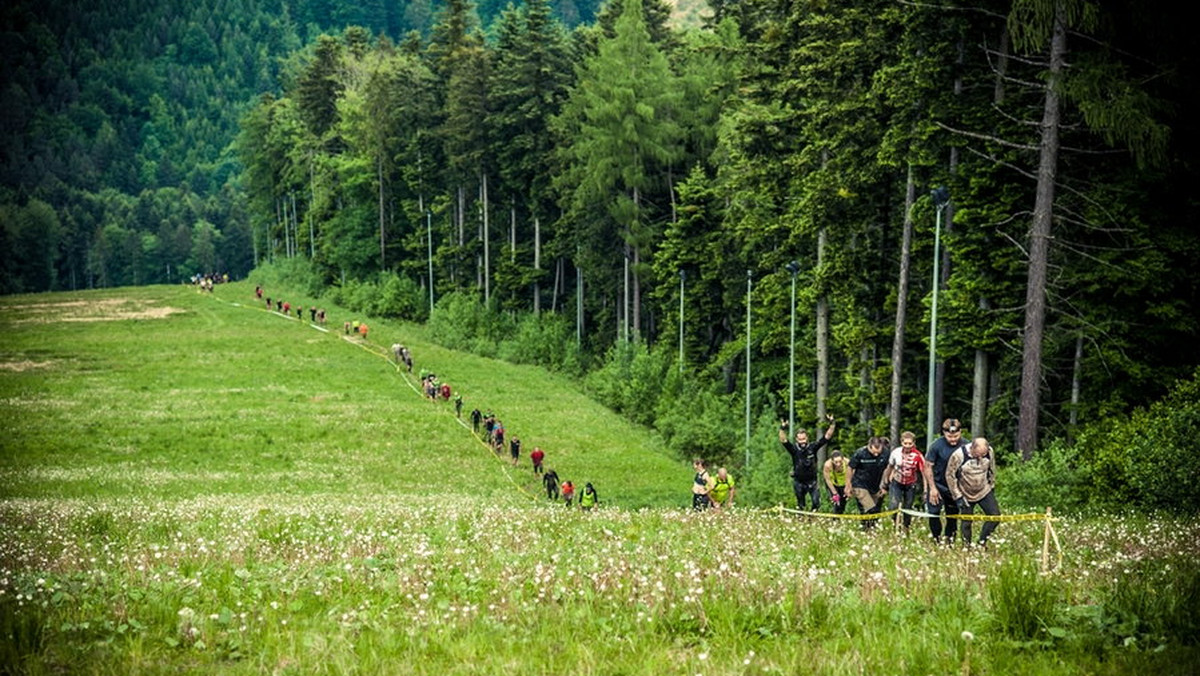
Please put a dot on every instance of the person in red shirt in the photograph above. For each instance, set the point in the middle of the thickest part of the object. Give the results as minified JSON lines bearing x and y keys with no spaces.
{"x":568,"y":492}
{"x":536,"y":457}
{"x":905,"y":466}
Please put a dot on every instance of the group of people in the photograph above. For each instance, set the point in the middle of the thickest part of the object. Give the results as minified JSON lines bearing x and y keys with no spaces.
{"x":953,"y":476}
{"x":316,"y":315}
{"x":711,"y":491}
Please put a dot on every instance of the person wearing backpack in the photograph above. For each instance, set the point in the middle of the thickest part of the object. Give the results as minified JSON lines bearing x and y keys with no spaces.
{"x":937,"y":456}
{"x":804,"y":462}
{"x":971,"y":475}
{"x":905,"y":466}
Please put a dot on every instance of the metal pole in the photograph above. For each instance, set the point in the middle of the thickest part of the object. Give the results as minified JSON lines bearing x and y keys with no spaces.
{"x":749,"y":281}
{"x":429,"y":236}
{"x":941,"y":197}
{"x":793,"y":268}
{"x":682,"y":277}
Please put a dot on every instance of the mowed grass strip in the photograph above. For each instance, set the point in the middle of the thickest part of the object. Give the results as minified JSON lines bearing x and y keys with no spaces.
{"x":171,"y":392}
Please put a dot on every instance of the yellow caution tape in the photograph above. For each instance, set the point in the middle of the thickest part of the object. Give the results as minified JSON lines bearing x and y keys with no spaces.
{"x":1000,"y":518}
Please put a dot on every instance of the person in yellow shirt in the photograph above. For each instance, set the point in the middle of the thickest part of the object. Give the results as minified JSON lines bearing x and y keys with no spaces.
{"x":722,"y":490}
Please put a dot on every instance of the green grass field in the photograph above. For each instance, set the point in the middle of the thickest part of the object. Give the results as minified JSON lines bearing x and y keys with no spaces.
{"x":191,"y":483}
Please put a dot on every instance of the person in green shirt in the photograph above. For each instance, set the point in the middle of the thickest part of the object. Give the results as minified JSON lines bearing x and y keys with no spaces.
{"x":588,"y":499}
{"x":722,"y":490}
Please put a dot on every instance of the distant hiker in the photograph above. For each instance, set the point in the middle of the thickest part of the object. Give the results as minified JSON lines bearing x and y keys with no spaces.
{"x":702,"y":484}
{"x":514,"y":449}
{"x":287,"y":308}
{"x":268,"y":302}
{"x":407,"y":359}
{"x":550,"y":481}
{"x":804,"y":462}
{"x":362,"y":330}
{"x":398,"y":352}
{"x":971,"y":476}
{"x":445,"y":391}
{"x":299,"y":313}
{"x":722,"y":490}
{"x":589,"y":498}
{"x":498,"y":437}
{"x":458,"y":405}
{"x":258,"y":291}
{"x":346,"y":328}
{"x":536,"y":458}
{"x":321,"y":316}
{"x":278,"y":305}
{"x":312,"y":314}
{"x":835,"y":479}
{"x":568,"y":493}
{"x":476,"y":420}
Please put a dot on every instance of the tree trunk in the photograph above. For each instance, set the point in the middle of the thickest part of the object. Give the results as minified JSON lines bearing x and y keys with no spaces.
{"x":382,"y":219}
{"x":537,"y":265}
{"x":979,"y":398}
{"x":822,"y":341}
{"x":910,"y":197}
{"x":1039,"y":248}
{"x":1076,"y":385}
{"x":636,"y":324}
{"x":487,"y":263}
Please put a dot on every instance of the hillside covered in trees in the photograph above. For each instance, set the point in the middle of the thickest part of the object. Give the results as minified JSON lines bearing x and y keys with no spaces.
{"x":618,"y":193}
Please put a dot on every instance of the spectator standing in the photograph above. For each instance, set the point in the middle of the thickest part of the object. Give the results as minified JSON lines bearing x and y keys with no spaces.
{"x":804,"y":462}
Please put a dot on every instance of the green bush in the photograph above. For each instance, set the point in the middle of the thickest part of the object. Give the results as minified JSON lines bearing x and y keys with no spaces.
{"x":1146,"y":460}
{"x":1053,"y":478}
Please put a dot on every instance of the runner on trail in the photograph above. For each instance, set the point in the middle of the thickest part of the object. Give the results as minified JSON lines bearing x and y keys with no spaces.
{"x":804,"y":462}
{"x":835,"y":479}
{"x":476,"y":420}
{"x":723,"y":490}
{"x":937,"y":456}
{"x":514,"y":449}
{"x":866,"y":478}
{"x":971,"y":477}
{"x":550,"y":481}
{"x":905,"y":466}
{"x":702,"y":484}
{"x":568,"y":493}
{"x":536,"y":457}
{"x":588,"y":499}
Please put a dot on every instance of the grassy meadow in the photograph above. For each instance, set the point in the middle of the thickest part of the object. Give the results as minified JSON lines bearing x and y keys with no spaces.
{"x":189,"y":482}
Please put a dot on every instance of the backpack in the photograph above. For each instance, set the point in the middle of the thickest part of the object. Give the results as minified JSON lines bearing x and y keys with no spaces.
{"x":966,"y":455}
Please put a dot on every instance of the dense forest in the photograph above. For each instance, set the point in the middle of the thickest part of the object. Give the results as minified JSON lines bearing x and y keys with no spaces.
{"x":641,"y":203}
{"x":118,"y":119}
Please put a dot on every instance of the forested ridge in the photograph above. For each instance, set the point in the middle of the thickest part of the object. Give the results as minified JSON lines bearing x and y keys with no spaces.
{"x":568,"y":185}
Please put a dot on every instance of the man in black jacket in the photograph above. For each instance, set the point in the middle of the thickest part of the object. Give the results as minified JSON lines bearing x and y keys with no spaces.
{"x":804,"y":462}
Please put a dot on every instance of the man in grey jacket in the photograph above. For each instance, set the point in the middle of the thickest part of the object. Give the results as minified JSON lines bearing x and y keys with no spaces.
{"x":971,"y":477}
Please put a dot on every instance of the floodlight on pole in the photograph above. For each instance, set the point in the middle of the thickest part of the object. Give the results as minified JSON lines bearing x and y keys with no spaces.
{"x":941,"y":198}
{"x":793,"y":268}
